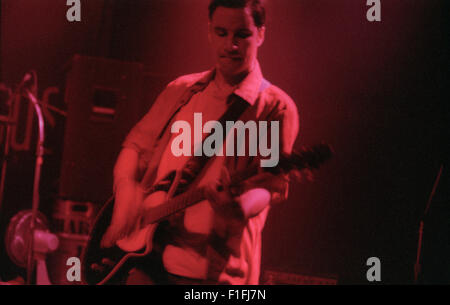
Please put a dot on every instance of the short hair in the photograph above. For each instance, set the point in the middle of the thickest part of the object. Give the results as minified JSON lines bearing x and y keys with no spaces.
{"x":257,"y":7}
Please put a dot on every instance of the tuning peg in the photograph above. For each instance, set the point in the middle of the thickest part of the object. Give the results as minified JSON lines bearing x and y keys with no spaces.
{"x":296,"y":175}
{"x":309,"y":175}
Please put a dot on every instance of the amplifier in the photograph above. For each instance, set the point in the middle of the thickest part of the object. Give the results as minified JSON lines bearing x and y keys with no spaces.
{"x":104,"y":100}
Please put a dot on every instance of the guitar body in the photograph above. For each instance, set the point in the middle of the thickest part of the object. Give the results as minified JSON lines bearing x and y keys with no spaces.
{"x":142,"y":236}
{"x":109,"y":265}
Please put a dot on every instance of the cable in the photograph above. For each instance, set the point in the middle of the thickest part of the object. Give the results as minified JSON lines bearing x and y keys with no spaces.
{"x":417,"y":265}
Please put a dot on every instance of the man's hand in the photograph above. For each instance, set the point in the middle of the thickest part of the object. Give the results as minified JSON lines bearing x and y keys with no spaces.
{"x":227,"y":202}
{"x":114,"y":233}
{"x":221,"y":198}
{"x":127,"y":211}
{"x":119,"y":230}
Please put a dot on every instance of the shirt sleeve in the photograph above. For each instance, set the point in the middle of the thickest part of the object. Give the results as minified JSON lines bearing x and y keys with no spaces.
{"x":278,"y":184}
{"x":143,"y":135}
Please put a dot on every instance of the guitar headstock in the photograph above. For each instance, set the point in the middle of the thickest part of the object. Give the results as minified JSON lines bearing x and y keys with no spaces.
{"x":307,"y":158}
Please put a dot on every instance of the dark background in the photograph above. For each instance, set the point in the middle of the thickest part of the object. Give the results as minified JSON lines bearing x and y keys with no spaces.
{"x":376,"y":91}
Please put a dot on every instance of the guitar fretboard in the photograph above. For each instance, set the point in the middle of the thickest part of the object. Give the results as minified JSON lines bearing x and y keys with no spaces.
{"x":305,"y":159}
{"x":175,"y":204}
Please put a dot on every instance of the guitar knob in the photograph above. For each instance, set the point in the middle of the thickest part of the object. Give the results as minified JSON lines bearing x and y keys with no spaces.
{"x":97,"y":267}
{"x":108,"y":262}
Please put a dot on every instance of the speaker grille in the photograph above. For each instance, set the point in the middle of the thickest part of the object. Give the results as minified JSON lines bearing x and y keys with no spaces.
{"x":104,"y":99}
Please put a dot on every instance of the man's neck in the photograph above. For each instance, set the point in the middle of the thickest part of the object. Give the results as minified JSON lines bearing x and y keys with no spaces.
{"x":227,"y":82}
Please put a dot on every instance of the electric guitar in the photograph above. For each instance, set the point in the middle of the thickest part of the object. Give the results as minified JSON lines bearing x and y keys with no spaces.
{"x":104,"y":265}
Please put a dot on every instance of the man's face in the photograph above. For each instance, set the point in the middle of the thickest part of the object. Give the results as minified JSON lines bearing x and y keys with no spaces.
{"x":235,"y":40}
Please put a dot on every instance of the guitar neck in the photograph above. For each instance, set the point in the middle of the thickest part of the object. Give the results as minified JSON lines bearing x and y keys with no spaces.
{"x":189,"y":198}
{"x":175,"y":204}
{"x":295,"y":161}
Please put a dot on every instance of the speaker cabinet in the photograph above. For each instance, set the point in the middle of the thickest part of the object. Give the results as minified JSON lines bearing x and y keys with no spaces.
{"x":104,"y":100}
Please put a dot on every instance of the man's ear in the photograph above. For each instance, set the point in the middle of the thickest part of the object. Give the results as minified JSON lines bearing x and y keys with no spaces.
{"x":261,"y":35}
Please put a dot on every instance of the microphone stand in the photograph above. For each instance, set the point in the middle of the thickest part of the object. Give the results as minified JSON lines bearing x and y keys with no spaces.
{"x":37,"y":175}
{"x":8,"y":120}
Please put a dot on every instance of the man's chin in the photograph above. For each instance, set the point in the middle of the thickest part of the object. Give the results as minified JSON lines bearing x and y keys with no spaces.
{"x":231,"y":72}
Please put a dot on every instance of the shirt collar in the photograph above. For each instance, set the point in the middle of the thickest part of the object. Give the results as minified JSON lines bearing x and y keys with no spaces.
{"x":248,"y":89}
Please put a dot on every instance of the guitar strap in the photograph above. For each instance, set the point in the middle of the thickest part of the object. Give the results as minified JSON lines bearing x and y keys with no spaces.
{"x":196,"y":163}
{"x":178,"y":182}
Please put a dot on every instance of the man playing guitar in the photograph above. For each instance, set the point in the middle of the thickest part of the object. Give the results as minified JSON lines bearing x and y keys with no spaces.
{"x":217,"y":240}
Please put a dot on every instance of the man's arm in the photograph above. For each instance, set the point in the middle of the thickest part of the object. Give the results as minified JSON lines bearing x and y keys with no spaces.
{"x":128,"y":197}
{"x":254,"y":201}
{"x":244,"y":206}
{"x":260,"y":190}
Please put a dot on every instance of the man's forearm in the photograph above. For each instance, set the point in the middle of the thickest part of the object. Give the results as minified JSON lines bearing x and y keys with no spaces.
{"x":126,"y":167}
{"x":254,"y":201}
{"x":126,"y":187}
